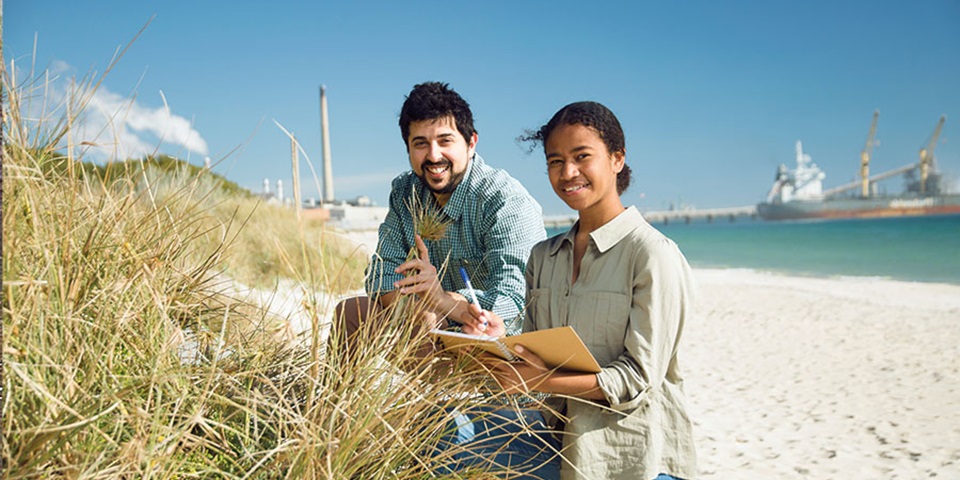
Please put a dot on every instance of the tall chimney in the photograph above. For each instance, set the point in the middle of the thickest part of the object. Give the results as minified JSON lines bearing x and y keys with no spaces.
{"x":327,"y":161}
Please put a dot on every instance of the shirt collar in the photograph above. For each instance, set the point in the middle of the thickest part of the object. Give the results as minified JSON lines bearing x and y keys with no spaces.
{"x":609,"y":234}
{"x":613,"y":231}
{"x":566,"y":237}
{"x":458,"y":200}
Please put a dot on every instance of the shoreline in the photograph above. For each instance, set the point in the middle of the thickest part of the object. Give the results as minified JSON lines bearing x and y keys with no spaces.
{"x":825,"y":276}
{"x":883,"y":290}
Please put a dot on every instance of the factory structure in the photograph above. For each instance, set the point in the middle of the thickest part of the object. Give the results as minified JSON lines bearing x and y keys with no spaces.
{"x":357,"y":214}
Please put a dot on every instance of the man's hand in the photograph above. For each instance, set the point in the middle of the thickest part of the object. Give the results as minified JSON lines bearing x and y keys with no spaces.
{"x":422,"y":279}
{"x":482,"y":322}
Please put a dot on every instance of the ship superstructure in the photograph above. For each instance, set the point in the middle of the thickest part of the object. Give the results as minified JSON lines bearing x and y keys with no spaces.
{"x":804,"y":183}
{"x":799,"y":193}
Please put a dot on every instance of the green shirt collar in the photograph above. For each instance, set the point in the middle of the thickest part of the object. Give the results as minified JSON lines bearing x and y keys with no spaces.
{"x":458,"y":200}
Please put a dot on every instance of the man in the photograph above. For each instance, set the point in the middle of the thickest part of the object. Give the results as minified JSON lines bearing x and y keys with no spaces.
{"x":493,"y":223}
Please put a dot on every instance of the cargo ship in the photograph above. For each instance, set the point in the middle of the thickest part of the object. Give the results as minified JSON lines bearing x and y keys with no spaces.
{"x":798,"y":194}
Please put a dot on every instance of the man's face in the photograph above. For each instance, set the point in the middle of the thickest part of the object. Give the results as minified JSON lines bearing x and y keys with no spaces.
{"x":439,"y":154}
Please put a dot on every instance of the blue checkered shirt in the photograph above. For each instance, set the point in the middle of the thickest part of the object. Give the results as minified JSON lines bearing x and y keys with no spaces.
{"x":495,"y":223}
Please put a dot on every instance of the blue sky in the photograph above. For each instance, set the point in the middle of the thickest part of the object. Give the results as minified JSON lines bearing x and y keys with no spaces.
{"x":712,"y":95}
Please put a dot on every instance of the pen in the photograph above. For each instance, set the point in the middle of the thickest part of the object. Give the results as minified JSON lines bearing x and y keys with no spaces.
{"x":473,"y":295}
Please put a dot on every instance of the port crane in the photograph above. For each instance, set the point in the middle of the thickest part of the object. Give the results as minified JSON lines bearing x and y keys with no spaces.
{"x":865,"y":157}
{"x":925,"y":165}
{"x":926,"y":155}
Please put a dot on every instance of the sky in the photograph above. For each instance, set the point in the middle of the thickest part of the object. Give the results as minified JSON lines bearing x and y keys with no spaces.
{"x":712,"y":95}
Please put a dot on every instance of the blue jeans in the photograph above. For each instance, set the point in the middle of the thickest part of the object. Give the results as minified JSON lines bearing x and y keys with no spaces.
{"x":492,"y":437}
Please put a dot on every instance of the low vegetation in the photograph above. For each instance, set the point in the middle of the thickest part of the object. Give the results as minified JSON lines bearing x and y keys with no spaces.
{"x":129,"y":353}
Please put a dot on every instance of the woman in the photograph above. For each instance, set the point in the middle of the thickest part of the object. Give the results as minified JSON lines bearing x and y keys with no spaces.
{"x":627,"y":291}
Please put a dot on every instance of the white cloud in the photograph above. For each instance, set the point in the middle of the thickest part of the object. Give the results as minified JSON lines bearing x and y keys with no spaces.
{"x":58,"y":67}
{"x":110,"y":126}
{"x":123,"y":128}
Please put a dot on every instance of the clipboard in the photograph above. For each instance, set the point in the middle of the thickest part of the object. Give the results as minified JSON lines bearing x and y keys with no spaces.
{"x":559,"y":347}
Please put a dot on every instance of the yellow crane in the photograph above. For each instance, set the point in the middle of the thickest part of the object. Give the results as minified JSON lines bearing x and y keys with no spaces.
{"x":926,"y":155}
{"x":865,"y":157}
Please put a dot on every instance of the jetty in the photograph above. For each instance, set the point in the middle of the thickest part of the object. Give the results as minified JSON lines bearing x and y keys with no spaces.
{"x":687,"y":215}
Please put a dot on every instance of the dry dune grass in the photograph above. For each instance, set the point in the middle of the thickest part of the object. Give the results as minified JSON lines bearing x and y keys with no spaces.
{"x":107,"y":277}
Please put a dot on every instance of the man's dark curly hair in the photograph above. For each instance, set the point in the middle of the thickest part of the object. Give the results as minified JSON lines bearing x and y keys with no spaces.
{"x":592,"y":115}
{"x":434,"y":100}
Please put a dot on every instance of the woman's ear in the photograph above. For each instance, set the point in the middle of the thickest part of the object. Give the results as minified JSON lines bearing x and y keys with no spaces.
{"x":619,"y":159}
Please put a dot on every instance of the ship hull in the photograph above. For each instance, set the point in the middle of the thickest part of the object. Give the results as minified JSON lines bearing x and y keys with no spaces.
{"x":861,"y":208}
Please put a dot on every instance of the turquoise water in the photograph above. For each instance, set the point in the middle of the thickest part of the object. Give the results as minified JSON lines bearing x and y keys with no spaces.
{"x":923,"y":249}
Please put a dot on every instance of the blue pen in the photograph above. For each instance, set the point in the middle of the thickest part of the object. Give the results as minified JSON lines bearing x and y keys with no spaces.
{"x":473,"y":295}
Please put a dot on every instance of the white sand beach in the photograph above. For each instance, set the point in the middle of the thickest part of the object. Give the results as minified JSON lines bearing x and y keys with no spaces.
{"x":792,"y":377}
{"x":795,"y":377}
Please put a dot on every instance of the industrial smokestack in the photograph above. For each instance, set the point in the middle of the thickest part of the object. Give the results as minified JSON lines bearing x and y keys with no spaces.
{"x":328,"y":196}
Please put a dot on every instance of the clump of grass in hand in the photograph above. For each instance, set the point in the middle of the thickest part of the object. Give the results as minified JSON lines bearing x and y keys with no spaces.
{"x":429,"y":221}
{"x":431,"y":224}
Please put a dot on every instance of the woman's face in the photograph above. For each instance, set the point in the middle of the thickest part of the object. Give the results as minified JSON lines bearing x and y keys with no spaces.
{"x":582,"y":171}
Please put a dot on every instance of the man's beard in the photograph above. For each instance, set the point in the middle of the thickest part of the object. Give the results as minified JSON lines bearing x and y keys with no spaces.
{"x":455,"y":178}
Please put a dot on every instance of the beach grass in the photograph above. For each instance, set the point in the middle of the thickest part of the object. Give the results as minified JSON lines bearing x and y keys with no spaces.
{"x":128,"y":353}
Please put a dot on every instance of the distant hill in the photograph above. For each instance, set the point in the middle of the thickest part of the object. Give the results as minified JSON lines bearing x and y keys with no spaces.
{"x":131,"y":168}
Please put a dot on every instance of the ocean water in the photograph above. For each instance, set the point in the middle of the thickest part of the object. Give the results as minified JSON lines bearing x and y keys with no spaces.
{"x":921,"y":249}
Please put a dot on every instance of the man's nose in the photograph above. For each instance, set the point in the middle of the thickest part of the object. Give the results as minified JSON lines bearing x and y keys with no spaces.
{"x":435,"y":154}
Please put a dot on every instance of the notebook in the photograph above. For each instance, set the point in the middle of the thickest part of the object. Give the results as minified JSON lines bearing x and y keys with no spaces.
{"x":559,"y":347}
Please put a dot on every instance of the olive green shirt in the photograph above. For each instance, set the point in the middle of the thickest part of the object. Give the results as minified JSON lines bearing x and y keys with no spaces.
{"x":629,"y":304}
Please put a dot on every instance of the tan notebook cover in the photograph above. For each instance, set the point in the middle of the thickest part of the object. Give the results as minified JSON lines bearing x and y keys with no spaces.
{"x":559,"y":347}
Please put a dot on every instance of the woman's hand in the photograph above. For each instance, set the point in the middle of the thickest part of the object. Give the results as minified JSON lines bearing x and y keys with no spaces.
{"x":525,"y":376}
